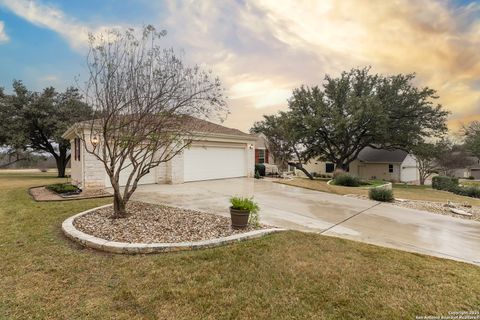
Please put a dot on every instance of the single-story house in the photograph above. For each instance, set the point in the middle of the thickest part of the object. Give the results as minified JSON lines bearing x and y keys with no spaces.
{"x":218,"y":152}
{"x":393,"y":165}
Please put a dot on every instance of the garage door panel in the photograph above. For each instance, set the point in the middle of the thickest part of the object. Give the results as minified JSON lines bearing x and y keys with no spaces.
{"x":208,"y":163}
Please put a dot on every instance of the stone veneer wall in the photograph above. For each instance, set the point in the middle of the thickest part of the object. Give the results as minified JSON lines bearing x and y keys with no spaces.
{"x":174,"y":172}
{"x":76,"y":166}
{"x":250,"y":154}
{"x":94,"y":174}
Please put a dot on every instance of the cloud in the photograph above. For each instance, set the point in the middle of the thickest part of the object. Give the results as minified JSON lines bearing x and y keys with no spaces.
{"x":47,"y":16}
{"x":3,"y":35}
{"x":262,"y":49}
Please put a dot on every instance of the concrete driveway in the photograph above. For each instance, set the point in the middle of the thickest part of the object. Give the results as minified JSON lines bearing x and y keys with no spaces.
{"x":307,"y":210}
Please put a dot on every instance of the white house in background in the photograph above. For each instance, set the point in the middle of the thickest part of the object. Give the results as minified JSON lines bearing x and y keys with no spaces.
{"x":393,"y":165}
{"x":217,"y":153}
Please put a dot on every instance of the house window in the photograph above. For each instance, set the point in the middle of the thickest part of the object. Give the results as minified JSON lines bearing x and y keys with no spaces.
{"x":329,"y":167}
{"x":261,"y":156}
{"x":390,"y":168}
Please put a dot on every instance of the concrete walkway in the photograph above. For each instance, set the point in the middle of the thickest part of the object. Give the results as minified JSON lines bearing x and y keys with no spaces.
{"x":307,"y":210}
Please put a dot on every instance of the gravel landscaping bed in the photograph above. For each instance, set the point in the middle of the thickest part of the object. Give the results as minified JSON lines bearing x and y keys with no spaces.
{"x":150,"y":223}
{"x":444,"y":208}
{"x":43,"y":194}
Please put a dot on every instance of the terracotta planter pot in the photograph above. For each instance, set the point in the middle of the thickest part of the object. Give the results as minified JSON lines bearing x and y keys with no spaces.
{"x":239,"y":218}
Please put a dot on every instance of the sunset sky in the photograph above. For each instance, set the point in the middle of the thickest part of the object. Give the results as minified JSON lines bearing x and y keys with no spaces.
{"x":260,"y":49}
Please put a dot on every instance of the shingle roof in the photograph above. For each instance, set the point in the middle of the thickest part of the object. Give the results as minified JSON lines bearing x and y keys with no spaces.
{"x":369,"y":154}
{"x":210,"y":127}
{"x":201,"y":126}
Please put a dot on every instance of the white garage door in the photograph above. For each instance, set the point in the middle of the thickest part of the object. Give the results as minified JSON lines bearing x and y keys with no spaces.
{"x":147,"y":179}
{"x":207,"y":163}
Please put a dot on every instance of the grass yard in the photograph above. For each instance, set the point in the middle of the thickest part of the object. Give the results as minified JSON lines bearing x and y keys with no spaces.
{"x":425,"y":193}
{"x":282,"y":276}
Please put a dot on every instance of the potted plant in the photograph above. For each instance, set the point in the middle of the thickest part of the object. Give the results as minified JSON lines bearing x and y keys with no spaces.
{"x":241,"y":210}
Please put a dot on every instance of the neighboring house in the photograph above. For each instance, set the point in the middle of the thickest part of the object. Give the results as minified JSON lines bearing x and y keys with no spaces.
{"x":473,"y":170}
{"x":392,"y":165}
{"x":216,"y":153}
{"x":262,"y":153}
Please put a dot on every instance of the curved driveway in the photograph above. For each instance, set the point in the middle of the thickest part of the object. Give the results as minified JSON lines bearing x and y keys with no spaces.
{"x":307,"y":210}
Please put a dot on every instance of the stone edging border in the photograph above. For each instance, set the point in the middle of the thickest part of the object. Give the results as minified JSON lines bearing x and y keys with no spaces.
{"x":63,"y":198}
{"x":135,"y":248}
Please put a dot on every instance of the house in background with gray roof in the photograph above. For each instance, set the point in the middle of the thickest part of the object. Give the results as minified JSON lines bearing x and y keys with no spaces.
{"x":392,"y":165}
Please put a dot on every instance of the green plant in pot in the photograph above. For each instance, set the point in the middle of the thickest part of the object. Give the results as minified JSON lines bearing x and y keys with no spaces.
{"x":242,"y":211}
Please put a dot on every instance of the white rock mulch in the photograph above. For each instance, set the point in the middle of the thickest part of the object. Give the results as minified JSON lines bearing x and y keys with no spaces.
{"x":458,"y":210}
{"x":150,"y":223}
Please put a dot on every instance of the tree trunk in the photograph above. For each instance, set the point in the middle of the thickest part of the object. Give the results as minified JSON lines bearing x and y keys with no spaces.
{"x":342,"y":166}
{"x":119,"y":207}
{"x":422,"y":180}
{"x":300,"y":167}
{"x":62,"y":160}
{"x":61,"y":165}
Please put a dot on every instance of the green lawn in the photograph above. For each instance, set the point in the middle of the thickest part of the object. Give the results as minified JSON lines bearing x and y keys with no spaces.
{"x":412,"y":192}
{"x":282,"y":276}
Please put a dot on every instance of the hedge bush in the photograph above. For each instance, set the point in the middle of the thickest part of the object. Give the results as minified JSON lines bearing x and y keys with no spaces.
{"x":380,"y":194}
{"x":346,"y":180}
{"x":63,"y":188}
{"x":468,"y":191}
{"x":261,"y":169}
{"x":444,"y":183}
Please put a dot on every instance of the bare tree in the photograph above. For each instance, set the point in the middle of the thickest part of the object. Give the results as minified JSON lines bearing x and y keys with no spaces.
{"x":147,"y":106}
{"x":453,"y":158}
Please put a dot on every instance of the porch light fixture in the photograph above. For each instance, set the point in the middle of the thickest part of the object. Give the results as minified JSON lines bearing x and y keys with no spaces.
{"x":250,"y":146}
{"x":94,"y":141}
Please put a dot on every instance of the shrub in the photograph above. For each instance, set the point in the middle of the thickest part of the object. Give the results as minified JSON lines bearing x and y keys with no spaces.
{"x":249,"y":205}
{"x":261,"y":169}
{"x":444,"y":183}
{"x":469,"y":191}
{"x":337,"y":172}
{"x":471,"y":178}
{"x":346,"y":180}
{"x":63,"y":188}
{"x":381,"y":194}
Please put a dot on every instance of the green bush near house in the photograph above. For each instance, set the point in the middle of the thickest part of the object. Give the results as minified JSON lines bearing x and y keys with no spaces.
{"x":63,"y":188}
{"x":444,"y":183}
{"x":346,"y":180}
{"x":381,"y":194}
{"x":261,"y":169}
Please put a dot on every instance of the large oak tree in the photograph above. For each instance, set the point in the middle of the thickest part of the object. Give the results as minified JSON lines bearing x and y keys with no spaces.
{"x":35,"y":121}
{"x":335,"y":121}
